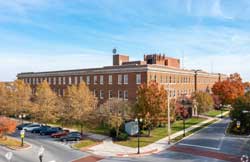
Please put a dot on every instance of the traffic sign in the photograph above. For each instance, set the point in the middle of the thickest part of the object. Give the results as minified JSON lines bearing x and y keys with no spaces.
{"x":9,"y":156}
{"x":238,"y":124}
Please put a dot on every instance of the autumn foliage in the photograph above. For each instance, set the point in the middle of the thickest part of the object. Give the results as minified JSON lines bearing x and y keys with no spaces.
{"x":228,"y":90}
{"x":6,"y":126}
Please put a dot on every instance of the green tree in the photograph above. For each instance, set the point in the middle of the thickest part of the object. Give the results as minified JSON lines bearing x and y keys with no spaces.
{"x":151,"y":101}
{"x":204,"y":101}
{"x":45,"y":108}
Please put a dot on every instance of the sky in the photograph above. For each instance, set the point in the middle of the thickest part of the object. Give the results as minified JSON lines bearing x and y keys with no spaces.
{"x":42,"y":35}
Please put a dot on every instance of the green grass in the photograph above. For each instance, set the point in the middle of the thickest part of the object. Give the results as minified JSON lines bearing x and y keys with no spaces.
{"x":84,"y":143}
{"x":193,"y":131}
{"x":12,"y":143}
{"x":159,"y":133}
{"x":214,"y":113}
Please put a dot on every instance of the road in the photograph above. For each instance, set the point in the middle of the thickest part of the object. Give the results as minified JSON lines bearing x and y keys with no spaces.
{"x":54,"y":150}
{"x":210,"y":144}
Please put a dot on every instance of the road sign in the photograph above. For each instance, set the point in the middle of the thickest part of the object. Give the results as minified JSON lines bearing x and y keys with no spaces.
{"x":22,"y":133}
{"x":238,"y":124}
{"x":9,"y":156}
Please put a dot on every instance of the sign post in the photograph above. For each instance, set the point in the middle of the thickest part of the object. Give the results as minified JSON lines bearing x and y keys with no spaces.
{"x":9,"y":156}
{"x":22,"y":135}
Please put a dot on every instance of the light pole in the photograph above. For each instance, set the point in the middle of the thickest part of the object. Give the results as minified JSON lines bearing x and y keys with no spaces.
{"x":221,"y":111}
{"x":184,"y":115}
{"x":168,"y":107}
{"x":138,"y":134}
{"x":22,"y":116}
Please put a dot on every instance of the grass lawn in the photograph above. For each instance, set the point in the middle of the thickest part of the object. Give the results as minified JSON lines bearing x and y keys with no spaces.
{"x":85,"y":143}
{"x":12,"y":143}
{"x":214,"y":113}
{"x":159,"y":133}
{"x":192,"y":131}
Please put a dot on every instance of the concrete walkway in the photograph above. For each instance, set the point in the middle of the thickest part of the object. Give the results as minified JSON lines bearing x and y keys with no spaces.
{"x":108,"y":148}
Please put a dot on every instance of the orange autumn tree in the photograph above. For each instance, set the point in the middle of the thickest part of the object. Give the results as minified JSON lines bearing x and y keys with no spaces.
{"x":6,"y":126}
{"x":228,"y":90}
{"x":151,"y":102}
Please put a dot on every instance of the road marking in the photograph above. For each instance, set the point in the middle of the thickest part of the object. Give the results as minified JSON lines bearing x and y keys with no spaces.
{"x":212,"y":148}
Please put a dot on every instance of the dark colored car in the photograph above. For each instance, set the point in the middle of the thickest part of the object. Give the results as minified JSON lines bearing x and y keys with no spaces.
{"x":42,"y":128}
{"x":20,"y":127}
{"x":73,"y":136}
{"x":60,"y":134}
{"x":50,"y":131}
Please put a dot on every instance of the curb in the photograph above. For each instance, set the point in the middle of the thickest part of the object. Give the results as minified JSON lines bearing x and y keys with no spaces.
{"x":18,"y":149}
{"x":138,"y":155}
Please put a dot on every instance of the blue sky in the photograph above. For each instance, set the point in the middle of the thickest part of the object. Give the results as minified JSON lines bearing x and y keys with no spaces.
{"x":39,"y":35}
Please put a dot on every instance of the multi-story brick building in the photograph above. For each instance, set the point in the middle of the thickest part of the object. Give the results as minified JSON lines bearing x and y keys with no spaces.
{"x":123,"y":77}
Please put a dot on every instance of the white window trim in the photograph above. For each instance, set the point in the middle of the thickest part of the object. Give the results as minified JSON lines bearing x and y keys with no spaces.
{"x":125,"y":81}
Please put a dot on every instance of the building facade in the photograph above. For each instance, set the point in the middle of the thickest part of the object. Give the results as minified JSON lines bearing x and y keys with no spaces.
{"x":122,"y":79}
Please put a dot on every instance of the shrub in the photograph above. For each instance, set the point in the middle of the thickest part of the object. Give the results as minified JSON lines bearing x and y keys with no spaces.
{"x":122,"y":137}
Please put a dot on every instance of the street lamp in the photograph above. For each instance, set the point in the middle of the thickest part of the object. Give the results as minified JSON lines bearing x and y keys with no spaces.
{"x":22,"y":116}
{"x":183,"y":115}
{"x":168,"y":106}
{"x":138,"y":134}
{"x":221,"y":111}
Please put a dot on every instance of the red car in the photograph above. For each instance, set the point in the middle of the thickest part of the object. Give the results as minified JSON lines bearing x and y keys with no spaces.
{"x":60,"y":134}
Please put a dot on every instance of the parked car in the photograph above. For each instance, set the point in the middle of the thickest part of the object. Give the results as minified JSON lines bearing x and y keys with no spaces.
{"x":72,"y":136}
{"x":60,"y":134}
{"x":20,"y":127}
{"x":50,"y":131}
{"x":42,"y":128}
{"x":30,"y":127}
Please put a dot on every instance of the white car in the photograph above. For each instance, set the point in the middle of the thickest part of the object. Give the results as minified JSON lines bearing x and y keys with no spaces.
{"x":30,"y":127}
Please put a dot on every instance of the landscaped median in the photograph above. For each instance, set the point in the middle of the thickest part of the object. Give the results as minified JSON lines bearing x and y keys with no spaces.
{"x":12,"y":143}
{"x":216,"y":113}
{"x":85,"y":144}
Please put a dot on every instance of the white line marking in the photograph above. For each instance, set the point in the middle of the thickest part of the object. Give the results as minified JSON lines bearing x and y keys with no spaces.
{"x":212,"y":148}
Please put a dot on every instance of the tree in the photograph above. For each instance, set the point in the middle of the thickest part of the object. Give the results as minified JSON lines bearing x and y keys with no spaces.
{"x":45,"y":109}
{"x":19,"y":97}
{"x":3,"y":99}
{"x":79,"y":104}
{"x":6,"y":126}
{"x":115,"y":112}
{"x":230,"y":89}
{"x":240,"y":105}
{"x":151,"y":101}
{"x":204,"y":101}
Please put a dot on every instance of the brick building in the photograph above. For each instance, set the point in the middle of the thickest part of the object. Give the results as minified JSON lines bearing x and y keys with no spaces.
{"x":123,"y":77}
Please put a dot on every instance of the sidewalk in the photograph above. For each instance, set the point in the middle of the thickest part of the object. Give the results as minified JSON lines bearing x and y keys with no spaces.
{"x":108,"y":148}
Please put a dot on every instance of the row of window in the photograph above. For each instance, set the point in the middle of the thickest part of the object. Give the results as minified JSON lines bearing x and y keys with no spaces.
{"x":179,"y":79}
{"x":120,"y":94}
{"x":178,"y":93}
{"x":122,"y":79}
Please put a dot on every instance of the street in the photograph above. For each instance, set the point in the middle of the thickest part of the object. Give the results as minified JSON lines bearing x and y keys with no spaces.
{"x":209,"y":144}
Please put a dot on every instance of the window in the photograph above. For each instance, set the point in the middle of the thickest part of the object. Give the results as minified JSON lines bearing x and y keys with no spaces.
{"x":101,"y":79}
{"x":95,"y":93}
{"x":95,"y":79}
{"x":120,"y":94}
{"x":110,"y":79}
{"x":88,"y":79}
{"x":70,"y":81}
{"x":49,"y":80}
{"x":110,"y":94}
{"x":161,"y":80}
{"x":101,"y":94}
{"x":63,"y":92}
{"x":37,"y":81}
{"x":155,"y":78}
{"x":81,"y":79}
{"x":64,"y":80}
{"x":76,"y":81}
{"x":125,"y":79}
{"x":138,"y":78}
{"x":119,"y":79}
{"x":125,"y":95}
{"x":54,"y":80}
{"x":60,"y":81}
